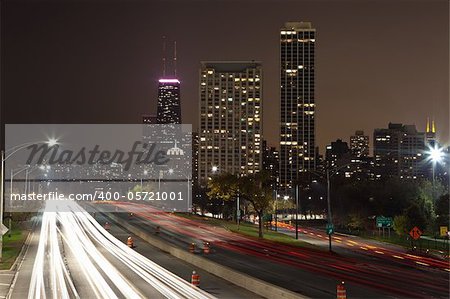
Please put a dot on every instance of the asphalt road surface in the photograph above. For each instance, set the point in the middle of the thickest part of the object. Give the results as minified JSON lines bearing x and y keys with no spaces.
{"x":374,"y":273}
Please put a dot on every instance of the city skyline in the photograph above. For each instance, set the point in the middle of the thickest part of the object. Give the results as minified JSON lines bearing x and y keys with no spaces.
{"x":358,"y":66}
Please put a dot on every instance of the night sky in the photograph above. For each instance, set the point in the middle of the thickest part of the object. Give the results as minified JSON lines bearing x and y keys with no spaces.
{"x":99,"y":61}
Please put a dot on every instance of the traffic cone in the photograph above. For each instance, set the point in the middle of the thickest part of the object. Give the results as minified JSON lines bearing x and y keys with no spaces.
{"x":192,"y":248}
{"x":341,"y":292}
{"x":130,"y":242}
{"x":206,"y":248}
{"x":195,"y":279}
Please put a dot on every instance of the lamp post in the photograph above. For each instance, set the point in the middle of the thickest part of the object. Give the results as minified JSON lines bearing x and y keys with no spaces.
{"x":4,"y":157}
{"x":276,"y":208}
{"x":435,"y":154}
{"x":296,"y":211}
{"x":329,"y":217}
{"x":330,"y":222}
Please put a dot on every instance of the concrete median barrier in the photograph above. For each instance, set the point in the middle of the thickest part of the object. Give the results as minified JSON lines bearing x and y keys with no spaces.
{"x":252,"y":284}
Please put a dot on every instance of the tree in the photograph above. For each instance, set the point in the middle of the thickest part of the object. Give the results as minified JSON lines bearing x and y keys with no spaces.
{"x":223,"y":187}
{"x":442,"y":210}
{"x":400,"y":223}
{"x":415,"y":217}
{"x":200,"y":198}
{"x":254,"y":189}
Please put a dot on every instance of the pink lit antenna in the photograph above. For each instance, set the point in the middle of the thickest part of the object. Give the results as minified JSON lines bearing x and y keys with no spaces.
{"x":164,"y":56}
{"x":175,"y":58}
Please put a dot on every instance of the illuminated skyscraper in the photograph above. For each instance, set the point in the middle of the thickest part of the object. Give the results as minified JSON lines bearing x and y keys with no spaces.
{"x":169,"y":107}
{"x":297,"y":78}
{"x":230,"y":133}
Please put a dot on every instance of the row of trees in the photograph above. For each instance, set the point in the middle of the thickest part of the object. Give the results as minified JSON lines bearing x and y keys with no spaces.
{"x":354,"y":203}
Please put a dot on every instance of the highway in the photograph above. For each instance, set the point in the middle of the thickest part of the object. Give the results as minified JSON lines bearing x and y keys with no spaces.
{"x":356,"y":246}
{"x":70,"y":255}
{"x":375,"y":273}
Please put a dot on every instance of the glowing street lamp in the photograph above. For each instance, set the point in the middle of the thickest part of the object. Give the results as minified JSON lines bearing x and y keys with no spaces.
{"x":435,"y":155}
{"x":3,"y":158}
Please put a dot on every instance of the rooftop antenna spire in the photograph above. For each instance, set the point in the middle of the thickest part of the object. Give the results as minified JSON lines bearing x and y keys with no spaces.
{"x":175,"y":58}
{"x":164,"y":56}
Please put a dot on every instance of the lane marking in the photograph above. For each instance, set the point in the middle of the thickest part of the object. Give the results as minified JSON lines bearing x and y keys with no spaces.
{"x":420,"y":263}
{"x":398,"y":257}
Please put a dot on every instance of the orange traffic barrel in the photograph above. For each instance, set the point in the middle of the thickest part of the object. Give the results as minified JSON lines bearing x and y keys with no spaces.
{"x":107,"y":226}
{"x":206,"y":248}
{"x":195,"y":279}
{"x":341,"y":292}
{"x":130,"y":242}
{"x":192,"y":247}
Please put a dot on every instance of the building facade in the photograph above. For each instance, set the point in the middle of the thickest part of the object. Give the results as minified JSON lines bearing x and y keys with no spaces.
{"x":336,"y":151}
{"x":271,"y":163}
{"x":359,"y":144}
{"x":399,"y":150}
{"x":169,"y":105}
{"x":297,"y":103}
{"x":230,"y":132}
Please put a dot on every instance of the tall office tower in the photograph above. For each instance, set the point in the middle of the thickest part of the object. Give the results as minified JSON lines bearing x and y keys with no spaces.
{"x":359,"y":144}
{"x":297,"y":135}
{"x":431,"y":133}
{"x":230,"y":130}
{"x":399,"y":151}
{"x":169,"y":107}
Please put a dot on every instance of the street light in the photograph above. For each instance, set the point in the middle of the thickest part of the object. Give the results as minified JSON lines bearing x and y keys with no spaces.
{"x":329,"y":217}
{"x":435,"y":155}
{"x":3,"y":158}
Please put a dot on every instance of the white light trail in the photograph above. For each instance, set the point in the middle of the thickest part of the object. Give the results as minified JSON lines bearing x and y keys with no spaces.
{"x":83,"y":236}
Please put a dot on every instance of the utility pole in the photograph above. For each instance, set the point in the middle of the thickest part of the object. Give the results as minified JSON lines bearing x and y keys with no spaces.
{"x":329,"y":208}
{"x":276,"y":208}
{"x":296,"y":211}
{"x":238,"y":210}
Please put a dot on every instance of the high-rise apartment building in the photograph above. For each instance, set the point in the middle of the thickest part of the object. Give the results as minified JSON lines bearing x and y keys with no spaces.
{"x":230,"y":133}
{"x":359,"y":144}
{"x":399,"y":151}
{"x":297,"y":80}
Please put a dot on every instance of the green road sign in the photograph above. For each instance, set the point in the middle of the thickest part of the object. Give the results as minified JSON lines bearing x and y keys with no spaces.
{"x":384,"y":221}
{"x":330,"y":228}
